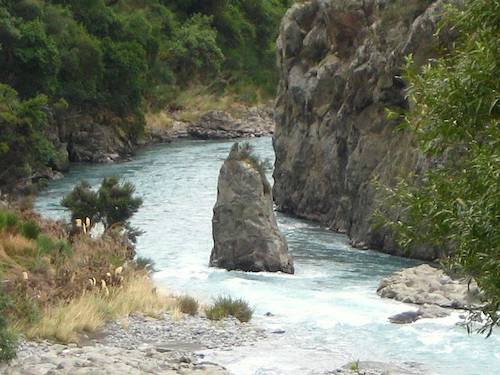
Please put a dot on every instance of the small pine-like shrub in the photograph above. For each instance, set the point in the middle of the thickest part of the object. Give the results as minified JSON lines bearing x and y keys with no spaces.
{"x":113,"y":203}
{"x":188,"y":305}
{"x":30,"y":230}
{"x":225,"y":306}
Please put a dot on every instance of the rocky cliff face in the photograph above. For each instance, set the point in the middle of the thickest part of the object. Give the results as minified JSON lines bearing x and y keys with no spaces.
{"x":245,"y":232}
{"x":340,"y":64}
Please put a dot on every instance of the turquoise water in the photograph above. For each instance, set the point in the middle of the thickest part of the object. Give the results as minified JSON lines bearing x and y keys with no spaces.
{"x":329,"y":309}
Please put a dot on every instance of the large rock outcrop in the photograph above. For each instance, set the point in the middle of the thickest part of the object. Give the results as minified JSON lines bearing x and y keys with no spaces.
{"x":340,"y":65}
{"x":245,"y":232}
{"x":428,"y":285}
{"x":252,"y":122}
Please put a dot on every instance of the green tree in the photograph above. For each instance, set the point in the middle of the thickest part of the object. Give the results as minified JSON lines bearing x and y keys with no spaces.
{"x":124,"y":74}
{"x":113,"y":203}
{"x":23,"y":145}
{"x":82,"y":203}
{"x":116,"y":201}
{"x":194,"y":50}
{"x":36,"y":60}
{"x":455,"y":118}
{"x":82,"y":66}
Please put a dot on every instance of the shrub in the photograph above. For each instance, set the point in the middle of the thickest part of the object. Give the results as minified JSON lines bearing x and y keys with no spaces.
{"x":8,"y":220}
{"x":23,"y":144}
{"x":225,"y":306}
{"x":45,"y":244}
{"x":144,"y":263}
{"x":194,"y":49}
{"x":113,"y":203}
{"x":188,"y":305}
{"x":82,"y":202}
{"x":8,"y":341}
{"x":24,"y":307}
{"x":30,"y":230}
{"x":116,"y":202}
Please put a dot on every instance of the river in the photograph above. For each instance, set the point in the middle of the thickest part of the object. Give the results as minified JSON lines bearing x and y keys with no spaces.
{"x":328,"y":310}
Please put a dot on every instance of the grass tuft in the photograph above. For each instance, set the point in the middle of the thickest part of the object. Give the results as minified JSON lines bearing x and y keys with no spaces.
{"x":245,"y":152}
{"x":188,"y":305}
{"x":225,"y":306}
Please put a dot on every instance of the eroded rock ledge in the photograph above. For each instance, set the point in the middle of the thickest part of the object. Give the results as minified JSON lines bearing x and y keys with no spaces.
{"x":340,"y":65}
{"x":434,"y":292}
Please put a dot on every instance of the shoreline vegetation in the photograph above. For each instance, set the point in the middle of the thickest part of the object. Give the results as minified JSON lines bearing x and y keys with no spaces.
{"x":80,"y":79}
{"x":60,"y":283}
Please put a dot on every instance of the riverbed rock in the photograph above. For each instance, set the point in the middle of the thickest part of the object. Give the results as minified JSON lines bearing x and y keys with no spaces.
{"x":426,"y":285}
{"x":340,"y":67}
{"x":252,"y":122}
{"x":245,"y":231}
{"x":424,"y":312}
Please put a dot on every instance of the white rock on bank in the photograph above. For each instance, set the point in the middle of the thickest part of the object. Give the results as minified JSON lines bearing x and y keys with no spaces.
{"x":428,"y":285}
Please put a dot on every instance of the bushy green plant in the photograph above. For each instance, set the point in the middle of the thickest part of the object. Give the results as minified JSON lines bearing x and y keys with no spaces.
{"x":188,"y":305}
{"x":225,"y":306}
{"x":8,"y":340}
{"x":455,"y":118}
{"x":82,"y":202}
{"x":23,"y":144}
{"x":8,"y":220}
{"x":57,"y":248}
{"x":116,"y":201}
{"x":113,"y":203}
{"x":29,"y":229}
{"x":194,"y":49}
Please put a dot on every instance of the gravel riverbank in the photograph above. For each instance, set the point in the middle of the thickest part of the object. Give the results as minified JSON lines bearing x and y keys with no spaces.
{"x":138,"y":346}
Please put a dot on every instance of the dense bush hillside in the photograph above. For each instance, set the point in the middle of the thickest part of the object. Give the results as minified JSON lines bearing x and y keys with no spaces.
{"x":120,"y":57}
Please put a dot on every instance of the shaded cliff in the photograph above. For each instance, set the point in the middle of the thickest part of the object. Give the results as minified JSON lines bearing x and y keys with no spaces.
{"x":340,"y":65}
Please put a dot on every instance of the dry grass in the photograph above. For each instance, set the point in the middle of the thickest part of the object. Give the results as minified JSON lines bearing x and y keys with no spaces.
{"x":159,"y":120}
{"x":188,"y":305}
{"x":14,"y":245}
{"x":65,"y":321}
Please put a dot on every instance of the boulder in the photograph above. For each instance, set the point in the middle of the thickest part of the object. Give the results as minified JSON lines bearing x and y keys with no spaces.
{"x":426,"y":285}
{"x":245,"y":231}
{"x":423,"y":312}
